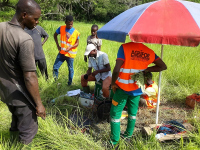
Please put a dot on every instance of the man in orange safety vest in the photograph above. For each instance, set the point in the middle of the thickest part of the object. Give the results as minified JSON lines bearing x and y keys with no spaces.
{"x":69,"y":38}
{"x":132,"y":58}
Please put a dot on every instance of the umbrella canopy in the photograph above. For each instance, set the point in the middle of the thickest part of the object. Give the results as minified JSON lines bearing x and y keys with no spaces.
{"x":172,"y":22}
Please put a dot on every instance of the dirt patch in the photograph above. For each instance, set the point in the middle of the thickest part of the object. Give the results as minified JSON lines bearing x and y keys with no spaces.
{"x":167,"y":112}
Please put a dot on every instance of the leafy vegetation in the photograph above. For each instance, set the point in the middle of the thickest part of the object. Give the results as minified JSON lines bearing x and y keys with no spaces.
{"x":82,"y":10}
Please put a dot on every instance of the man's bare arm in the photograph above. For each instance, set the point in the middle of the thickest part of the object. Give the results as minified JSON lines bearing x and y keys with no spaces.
{"x":56,"y":40}
{"x":45,"y":39}
{"x":116,"y":70}
{"x":31,"y":83}
{"x":73,"y":46}
{"x":159,"y":66}
{"x":115,"y":74}
{"x":106,"y":69}
{"x":89,"y":71}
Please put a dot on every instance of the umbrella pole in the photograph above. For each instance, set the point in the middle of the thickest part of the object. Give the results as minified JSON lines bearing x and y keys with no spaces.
{"x":159,"y":88}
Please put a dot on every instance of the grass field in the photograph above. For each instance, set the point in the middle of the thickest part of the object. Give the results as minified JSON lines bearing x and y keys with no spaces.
{"x":178,"y":81}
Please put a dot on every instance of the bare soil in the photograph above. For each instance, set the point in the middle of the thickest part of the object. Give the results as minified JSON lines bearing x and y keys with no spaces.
{"x":167,"y":111}
{"x":145,"y":116}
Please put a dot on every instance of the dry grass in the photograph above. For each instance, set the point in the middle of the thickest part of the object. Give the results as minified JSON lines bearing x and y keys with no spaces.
{"x":167,"y":112}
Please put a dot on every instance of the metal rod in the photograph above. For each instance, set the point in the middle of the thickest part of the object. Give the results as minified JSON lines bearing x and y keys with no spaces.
{"x":159,"y":89}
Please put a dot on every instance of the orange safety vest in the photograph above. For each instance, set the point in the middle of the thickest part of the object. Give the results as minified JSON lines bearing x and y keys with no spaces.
{"x":151,"y":101}
{"x":68,"y":40}
{"x":137,"y":58}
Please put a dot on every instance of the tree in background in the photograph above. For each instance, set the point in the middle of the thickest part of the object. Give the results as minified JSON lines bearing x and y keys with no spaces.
{"x":6,"y":3}
{"x":82,"y":10}
{"x":50,"y":9}
{"x":7,"y":9}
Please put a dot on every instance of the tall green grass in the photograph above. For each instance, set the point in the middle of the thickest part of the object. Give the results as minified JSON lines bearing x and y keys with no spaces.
{"x":179,"y":80}
{"x":59,"y":133}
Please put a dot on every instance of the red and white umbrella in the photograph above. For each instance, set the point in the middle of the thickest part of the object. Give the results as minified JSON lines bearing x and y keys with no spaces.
{"x":166,"y":22}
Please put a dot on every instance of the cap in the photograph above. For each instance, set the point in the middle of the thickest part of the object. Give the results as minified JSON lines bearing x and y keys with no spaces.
{"x":89,"y":48}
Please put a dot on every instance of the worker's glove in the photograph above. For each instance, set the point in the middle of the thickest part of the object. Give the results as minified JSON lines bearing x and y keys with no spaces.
{"x":85,"y":76}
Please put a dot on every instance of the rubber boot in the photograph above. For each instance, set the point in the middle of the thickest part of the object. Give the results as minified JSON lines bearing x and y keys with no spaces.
{"x":86,"y":89}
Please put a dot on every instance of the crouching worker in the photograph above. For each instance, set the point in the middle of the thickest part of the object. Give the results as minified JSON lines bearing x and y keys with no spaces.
{"x":98,"y":61}
{"x":149,"y":96}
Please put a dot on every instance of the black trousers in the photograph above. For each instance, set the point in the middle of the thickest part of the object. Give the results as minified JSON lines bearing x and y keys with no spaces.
{"x":42,"y":65}
{"x":24,"y":120}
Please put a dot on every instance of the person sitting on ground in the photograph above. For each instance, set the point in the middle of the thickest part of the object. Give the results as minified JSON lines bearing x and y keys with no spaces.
{"x":149,"y":96}
{"x":99,"y":62}
{"x":93,"y":39}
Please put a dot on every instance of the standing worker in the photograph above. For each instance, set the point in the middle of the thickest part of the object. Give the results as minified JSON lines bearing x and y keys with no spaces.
{"x":93,"y":39}
{"x":18,"y":80}
{"x":131,"y":58}
{"x":69,"y":37}
{"x":37,"y":33}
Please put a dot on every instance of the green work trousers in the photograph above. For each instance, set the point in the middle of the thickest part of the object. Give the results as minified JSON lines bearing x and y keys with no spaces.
{"x":119,"y":101}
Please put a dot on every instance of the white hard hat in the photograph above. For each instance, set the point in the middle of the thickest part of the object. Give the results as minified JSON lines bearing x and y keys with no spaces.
{"x":89,"y":48}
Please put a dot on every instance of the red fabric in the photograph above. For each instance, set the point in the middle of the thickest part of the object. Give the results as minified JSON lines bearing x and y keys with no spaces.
{"x":195,"y":97}
{"x":166,"y":22}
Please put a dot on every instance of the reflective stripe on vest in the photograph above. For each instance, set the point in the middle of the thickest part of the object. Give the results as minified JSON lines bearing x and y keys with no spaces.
{"x":137,"y":58}
{"x":131,"y":117}
{"x":63,"y":42}
{"x":126,"y":73}
{"x":69,"y":51}
{"x":115,"y":120}
{"x":67,"y":42}
{"x":125,"y":81}
{"x":130,"y":70}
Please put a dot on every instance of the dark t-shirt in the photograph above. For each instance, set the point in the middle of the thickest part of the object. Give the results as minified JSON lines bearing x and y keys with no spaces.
{"x":17,"y":56}
{"x":37,"y":34}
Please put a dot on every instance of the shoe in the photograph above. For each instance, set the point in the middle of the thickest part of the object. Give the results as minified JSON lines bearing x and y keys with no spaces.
{"x":127,"y":139}
{"x":117,"y":147}
{"x":55,"y":79}
{"x":114,"y":147}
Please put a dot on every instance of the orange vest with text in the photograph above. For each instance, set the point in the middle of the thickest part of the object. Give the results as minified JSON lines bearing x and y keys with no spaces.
{"x":68,"y":40}
{"x":151,"y":101}
{"x":137,"y":58}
